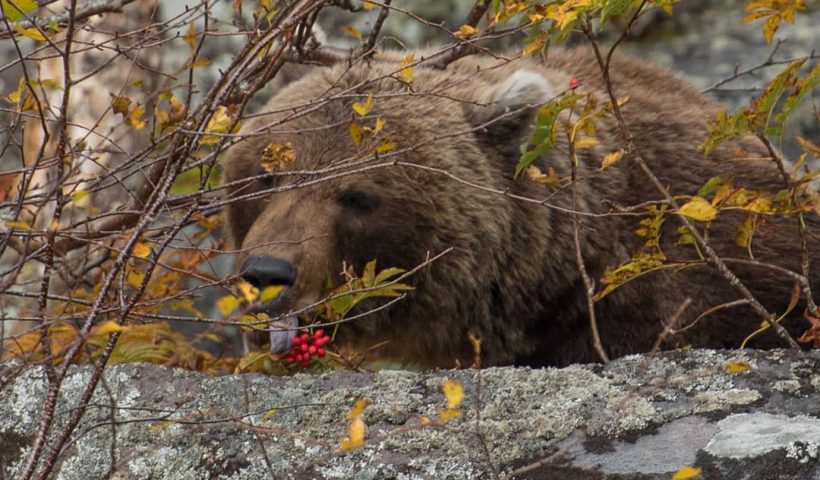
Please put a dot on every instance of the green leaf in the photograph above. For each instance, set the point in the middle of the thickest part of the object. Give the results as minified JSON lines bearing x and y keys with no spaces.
{"x":756,"y":118}
{"x":801,"y":88}
{"x":13,"y":10}
{"x":543,"y":139}
{"x":387,"y":274}
{"x":188,"y":181}
{"x":724,"y":128}
{"x":369,"y":274}
{"x":774,"y":90}
{"x":343,"y":304}
{"x":710,"y":186}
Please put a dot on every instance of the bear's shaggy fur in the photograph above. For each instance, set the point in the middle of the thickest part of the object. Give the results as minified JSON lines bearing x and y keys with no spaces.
{"x":511,"y":278}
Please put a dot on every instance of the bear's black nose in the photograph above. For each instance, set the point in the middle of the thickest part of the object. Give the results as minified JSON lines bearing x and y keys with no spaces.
{"x":264,"y":271}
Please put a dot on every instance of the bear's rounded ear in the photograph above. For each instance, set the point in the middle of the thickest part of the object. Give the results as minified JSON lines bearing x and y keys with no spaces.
{"x":506,"y":111}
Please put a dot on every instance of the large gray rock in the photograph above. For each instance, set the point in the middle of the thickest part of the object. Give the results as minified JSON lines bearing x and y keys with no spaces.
{"x":640,"y":417}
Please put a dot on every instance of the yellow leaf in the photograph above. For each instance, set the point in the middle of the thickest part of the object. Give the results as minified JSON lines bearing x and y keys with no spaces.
{"x":248,"y":291}
{"x":120,"y":103}
{"x":761,"y":205}
{"x":808,"y":146}
{"x":270,"y":413}
{"x":612,"y":158}
{"x":355,"y":435}
{"x":535,"y":44}
{"x":454,"y":393}
{"x":358,"y":408}
{"x":745,"y":230}
{"x":406,"y":68}
{"x":227,"y":304}
{"x":269,"y":293}
{"x":199,"y":62}
{"x":109,"y":326}
{"x":13,"y":10}
{"x":770,"y":27}
{"x":135,"y":118}
{"x":141,"y":250}
{"x":190,"y":37}
{"x":379,"y":125}
{"x":213,"y":337}
{"x":355,"y":132}
{"x":737,"y":366}
{"x":364,"y":108}
{"x":79,"y":195}
{"x":177,"y":108}
{"x":476,"y":343}
{"x":699,"y":209}
{"x":448,"y":414}
{"x":160,"y":426}
{"x":622,"y":101}
{"x":277,"y":156}
{"x":585,"y":142}
{"x":15,"y":96}
{"x":19,"y":225}
{"x":134,"y":279}
{"x":352,"y":31}
{"x":368,"y":5}
{"x":386,"y":146}
{"x":31,"y":33}
{"x":220,"y":122}
{"x":536,"y":175}
{"x":685,"y":473}
{"x":254,"y":319}
{"x":162,"y":119}
{"x":465,"y":31}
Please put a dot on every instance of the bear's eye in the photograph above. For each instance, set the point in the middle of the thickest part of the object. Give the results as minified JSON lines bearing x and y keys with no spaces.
{"x":358,"y":201}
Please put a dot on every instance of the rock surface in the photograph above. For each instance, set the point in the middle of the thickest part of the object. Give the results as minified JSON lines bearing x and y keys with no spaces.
{"x":746,"y":414}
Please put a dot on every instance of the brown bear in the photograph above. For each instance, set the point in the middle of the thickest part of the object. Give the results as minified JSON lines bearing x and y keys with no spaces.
{"x":511,"y":278}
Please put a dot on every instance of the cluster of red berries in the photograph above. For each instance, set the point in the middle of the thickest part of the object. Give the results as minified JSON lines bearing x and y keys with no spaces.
{"x":306,"y":346}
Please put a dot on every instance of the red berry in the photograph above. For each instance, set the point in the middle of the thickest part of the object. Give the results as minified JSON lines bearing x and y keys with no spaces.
{"x":573,"y":83}
{"x":303,"y":347}
{"x":305,"y":337}
{"x":296,"y":341}
{"x":306,"y":363}
{"x":318,"y":334}
{"x":323,"y":340}
{"x":312,"y":349}
{"x":320,"y":351}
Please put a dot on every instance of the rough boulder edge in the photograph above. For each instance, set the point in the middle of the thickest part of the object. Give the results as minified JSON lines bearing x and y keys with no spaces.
{"x":640,"y":417}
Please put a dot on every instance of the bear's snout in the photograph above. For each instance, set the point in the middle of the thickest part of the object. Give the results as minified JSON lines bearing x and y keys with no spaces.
{"x":264,"y":271}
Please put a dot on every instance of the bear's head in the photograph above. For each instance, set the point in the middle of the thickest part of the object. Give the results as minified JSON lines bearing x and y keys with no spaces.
{"x":310,"y":193}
